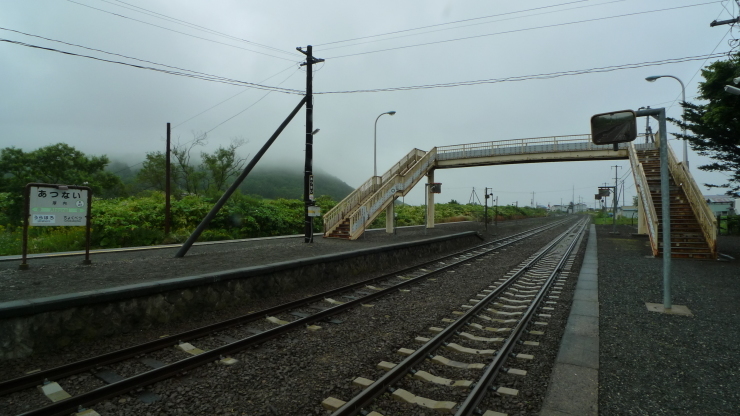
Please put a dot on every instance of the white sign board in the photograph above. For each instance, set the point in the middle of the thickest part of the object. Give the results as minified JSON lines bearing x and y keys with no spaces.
{"x":314,"y":211}
{"x":49,"y":206}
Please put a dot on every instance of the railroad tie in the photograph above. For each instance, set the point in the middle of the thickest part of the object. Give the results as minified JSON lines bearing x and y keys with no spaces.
{"x":86,"y":412}
{"x":408,"y":397}
{"x":53,"y":391}
{"x":275,"y":320}
{"x":465,"y":350}
{"x":189,"y":348}
{"x":430,"y":378}
{"x":489,"y":329}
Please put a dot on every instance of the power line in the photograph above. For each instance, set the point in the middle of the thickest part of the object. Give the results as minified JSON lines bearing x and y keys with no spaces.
{"x":233,"y":96}
{"x":189,"y":74}
{"x":177,"y":31}
{"x":524,"y":30}
{"x":251,"y":105}
{"x":444,"y":24}
{"x":476,"y":24}
{"x":700,"y":67}
{"x":171,"y":19}
{"x":532,"y":77}
{"x":102,"y":51}
{"x":210,"y":108}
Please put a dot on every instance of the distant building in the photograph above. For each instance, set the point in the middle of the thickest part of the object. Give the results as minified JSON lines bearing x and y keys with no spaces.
{"x":721,"y":204}
{"x":558,"y":208}
{"x":627,"y":211}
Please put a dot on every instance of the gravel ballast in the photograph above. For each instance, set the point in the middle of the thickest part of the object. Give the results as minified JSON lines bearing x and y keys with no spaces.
{"x":294,"y":373}
{"x":657,"y":364}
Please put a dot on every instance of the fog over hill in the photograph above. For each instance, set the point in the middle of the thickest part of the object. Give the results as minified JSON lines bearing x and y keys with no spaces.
{"x":269,"y":179}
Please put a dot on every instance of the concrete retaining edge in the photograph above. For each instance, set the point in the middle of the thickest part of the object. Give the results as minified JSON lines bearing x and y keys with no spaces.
{"x":31,"y":325}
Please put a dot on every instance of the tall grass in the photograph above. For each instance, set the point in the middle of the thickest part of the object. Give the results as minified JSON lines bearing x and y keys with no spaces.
{"x":42,"y":240}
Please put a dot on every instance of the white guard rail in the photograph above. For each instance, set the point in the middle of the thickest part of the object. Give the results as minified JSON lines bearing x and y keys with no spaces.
{"x":334,"y":217}
{"x":522,"y":146}
{"x":647,"y":201}
{"x":701,"y":209}
{"x":402,"y":183}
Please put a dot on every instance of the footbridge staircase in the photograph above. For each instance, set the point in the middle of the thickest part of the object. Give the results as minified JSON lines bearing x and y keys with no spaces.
{"x":694,"y":227}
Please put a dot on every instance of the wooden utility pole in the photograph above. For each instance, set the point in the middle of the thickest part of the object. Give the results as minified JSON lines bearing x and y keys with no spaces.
{"x":167,"y":190}
{"x":308,"y":196}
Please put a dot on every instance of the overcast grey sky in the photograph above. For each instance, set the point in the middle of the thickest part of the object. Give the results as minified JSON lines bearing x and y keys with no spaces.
{"x":121,"y":111}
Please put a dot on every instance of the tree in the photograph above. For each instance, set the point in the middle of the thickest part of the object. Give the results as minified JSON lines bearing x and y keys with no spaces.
{"x":222,"y":165}
{"x":55,"y":164}
{"x":191,"y":178}
{"x":213,"y":175}
{"x":715,"y":126}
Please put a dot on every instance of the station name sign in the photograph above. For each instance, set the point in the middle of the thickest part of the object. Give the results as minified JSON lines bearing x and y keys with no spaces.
{"x":56,"y":206}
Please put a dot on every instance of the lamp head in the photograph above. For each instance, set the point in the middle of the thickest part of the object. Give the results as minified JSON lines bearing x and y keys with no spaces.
{"x":391,"y":112}
{"x":652,"y":78}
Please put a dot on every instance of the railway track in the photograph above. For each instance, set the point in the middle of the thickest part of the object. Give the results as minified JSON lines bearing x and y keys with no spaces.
{"x":498,"y":327}
{"x":220,"y":340}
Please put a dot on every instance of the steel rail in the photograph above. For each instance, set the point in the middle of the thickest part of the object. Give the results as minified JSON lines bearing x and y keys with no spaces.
{"x":31,"y":380}
{"x":360,"y":401}
{"x":150,"y":377}
{"x":482,"y":387}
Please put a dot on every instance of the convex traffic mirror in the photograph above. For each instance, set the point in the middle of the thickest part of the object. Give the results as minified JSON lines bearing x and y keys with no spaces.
{"x":614,"y":127}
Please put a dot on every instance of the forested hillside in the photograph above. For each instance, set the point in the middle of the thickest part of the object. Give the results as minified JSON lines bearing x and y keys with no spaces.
{"x":274,"y":182}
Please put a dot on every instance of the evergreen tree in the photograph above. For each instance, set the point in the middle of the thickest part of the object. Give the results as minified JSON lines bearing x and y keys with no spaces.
{"x":713,"y":129}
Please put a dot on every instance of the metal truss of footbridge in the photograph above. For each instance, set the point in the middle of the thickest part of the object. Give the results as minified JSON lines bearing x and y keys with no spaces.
{"x":350,"y":217}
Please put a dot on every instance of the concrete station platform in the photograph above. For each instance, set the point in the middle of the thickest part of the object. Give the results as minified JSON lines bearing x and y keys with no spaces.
{"x":59,"y":299}
{"x":618,"y":357}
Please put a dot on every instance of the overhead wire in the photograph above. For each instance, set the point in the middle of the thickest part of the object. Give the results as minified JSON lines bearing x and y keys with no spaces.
{"x":216,"y":105}
{"x":474,"y":24}
{"x":525,"y":29}
{"x":251,"y":105}
{"x":703,"y":63}
{"x":171,"y":19}
{"x":233,"y":96}
{"x":531,"y":77}
{"x":442,"y":24}
{"x":188,"y":74}
{"x":177,"y":31}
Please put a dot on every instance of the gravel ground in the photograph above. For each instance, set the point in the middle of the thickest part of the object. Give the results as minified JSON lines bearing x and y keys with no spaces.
{"x":59,"y":275}
{"x":292,"y":374}
{"x":655,"y":364}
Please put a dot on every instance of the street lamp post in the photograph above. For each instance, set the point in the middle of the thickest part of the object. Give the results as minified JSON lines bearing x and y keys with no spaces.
{"x":375,"y":145}
{"x":683,"y":99}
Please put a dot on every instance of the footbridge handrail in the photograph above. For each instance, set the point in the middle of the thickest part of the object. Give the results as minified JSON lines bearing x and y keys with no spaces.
{"x":400,"y":183}
{"x":647,"y":201}
{"x":703,"y":213}
{"x":334,"y":216}
{"x":522,"y":146}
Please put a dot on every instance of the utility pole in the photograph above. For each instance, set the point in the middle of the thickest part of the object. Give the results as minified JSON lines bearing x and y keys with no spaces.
{"x":533,"y":200}
{"x":616,"y":198}
{"x":167,"y":190}
{"x":485,"y":210}
{"x":495,"y":219}
{"x":308,"y":197}
{"x":726,"y":22}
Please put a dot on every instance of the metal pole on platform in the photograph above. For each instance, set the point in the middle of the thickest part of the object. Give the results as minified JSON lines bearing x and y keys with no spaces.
{"x":665,"y":200}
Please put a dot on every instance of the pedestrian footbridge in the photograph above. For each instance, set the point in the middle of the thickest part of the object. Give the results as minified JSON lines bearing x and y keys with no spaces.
{"x":350,"y":217}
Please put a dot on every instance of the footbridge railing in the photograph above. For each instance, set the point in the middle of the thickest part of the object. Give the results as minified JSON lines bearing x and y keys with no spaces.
{"x":703,"y":213}
{"x":651,"y":216}
{"x":400,"y":183}
{"x":334,"y":217}
{"x":522,"y":146}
